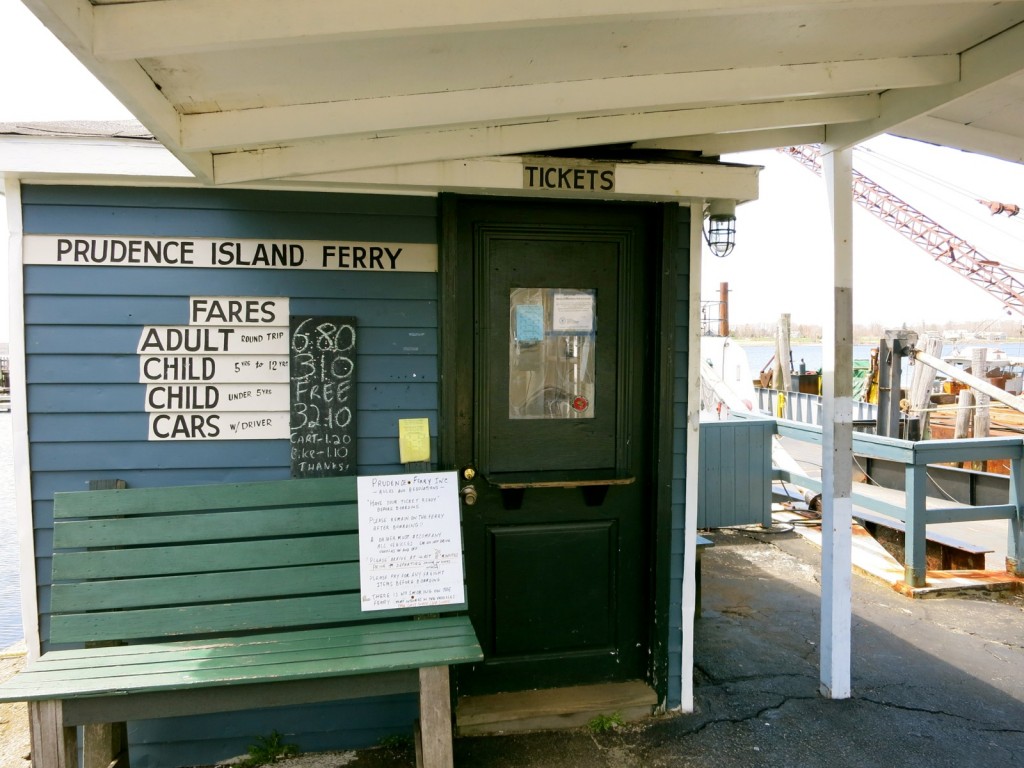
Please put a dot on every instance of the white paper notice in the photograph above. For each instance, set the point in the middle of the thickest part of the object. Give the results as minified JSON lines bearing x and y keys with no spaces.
{"x":410,"y":541}
{"x":573,"y":313}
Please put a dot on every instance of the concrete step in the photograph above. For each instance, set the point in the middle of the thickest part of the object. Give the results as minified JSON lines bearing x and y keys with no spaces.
{"x":552,"y":709}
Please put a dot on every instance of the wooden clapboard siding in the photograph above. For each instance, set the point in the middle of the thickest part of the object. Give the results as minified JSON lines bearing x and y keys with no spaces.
{"x":56,"y":281}
{"x":45,"y":484}
{"x":318,"y":725}
{"x":682,"y":331}
{"x":86,"y":407}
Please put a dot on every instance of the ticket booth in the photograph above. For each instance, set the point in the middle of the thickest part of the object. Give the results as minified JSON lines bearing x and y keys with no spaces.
{"x":541,"y":331}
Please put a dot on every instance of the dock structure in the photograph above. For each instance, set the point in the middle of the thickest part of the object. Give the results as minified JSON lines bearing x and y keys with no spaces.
{"x":915,"y":505}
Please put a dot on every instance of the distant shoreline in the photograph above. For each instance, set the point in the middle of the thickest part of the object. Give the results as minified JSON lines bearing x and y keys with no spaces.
{"x":804,"y":341}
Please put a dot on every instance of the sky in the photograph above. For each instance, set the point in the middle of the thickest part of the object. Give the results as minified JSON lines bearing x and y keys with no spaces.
{"x":783,"y":239}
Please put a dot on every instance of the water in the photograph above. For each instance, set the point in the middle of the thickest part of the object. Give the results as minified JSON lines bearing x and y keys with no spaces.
{"x":10,"y":599}
{"x":758,"y":355}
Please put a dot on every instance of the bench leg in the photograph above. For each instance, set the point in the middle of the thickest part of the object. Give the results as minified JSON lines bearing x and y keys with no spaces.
{"x":434,"y":730}
{"x":53,"y":744}
{"x":104,"y":744}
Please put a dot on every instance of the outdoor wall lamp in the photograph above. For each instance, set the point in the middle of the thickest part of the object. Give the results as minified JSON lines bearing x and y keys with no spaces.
{"x":720,"y":233}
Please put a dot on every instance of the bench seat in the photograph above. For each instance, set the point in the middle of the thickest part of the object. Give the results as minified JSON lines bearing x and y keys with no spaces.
{"x":238,"y":661}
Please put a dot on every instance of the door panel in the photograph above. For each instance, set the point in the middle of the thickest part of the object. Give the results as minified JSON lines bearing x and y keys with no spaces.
{"x":553,"y":320}
{"x":577,"y":582}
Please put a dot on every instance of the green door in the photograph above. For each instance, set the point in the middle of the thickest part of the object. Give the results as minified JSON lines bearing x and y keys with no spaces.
{"x":549,"y":307}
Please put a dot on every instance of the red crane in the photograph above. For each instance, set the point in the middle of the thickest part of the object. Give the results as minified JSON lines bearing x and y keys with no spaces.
{"x":937,"y":241}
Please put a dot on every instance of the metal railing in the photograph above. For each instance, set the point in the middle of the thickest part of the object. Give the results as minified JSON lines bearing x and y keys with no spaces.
{"x":806,"y":408}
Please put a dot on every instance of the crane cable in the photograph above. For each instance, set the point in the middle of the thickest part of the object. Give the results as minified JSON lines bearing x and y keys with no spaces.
{"x":986,"y":221}
{"x":1011,"y":210}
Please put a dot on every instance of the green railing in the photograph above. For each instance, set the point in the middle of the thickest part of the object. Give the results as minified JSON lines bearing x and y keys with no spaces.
{"x":915,"y":513}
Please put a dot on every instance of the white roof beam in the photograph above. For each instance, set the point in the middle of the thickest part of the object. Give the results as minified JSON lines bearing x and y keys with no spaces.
{"x":168,"y":27}
{"x":349,"y":153}
{"x":505,"y":174}
{"x":966,"y":137}
{"x":983,"y":65}
{"x":71,"y":21}
{"x":271,"y":125}
{"x":715,"y":144}
{"x":781,"y":116}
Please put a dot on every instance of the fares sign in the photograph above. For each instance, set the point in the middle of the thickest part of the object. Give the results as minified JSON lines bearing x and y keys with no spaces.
{"x":222,"y":377}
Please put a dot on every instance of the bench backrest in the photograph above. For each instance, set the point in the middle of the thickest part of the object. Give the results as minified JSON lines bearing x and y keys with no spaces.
{"x":151,"y":563}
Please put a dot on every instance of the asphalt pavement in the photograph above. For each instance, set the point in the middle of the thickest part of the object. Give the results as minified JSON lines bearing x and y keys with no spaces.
{"x":936,"y":682}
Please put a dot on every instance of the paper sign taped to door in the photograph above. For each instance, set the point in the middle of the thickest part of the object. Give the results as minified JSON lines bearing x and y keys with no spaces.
{"x":573,"y":313}
{"x":529,"y":323}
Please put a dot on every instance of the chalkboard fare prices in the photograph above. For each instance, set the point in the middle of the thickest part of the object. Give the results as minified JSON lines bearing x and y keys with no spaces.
{"x":323,"y":389}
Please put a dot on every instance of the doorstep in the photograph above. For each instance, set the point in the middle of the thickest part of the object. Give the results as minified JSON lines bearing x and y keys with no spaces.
{"x":553,"y":708}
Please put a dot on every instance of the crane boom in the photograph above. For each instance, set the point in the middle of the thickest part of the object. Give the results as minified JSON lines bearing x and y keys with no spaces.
{"x":926,"y":233}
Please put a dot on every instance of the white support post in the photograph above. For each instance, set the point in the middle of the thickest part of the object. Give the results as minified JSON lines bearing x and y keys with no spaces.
{"x":692,"y":458}
{"x":19,"y":421}
{"x":837,"y":435}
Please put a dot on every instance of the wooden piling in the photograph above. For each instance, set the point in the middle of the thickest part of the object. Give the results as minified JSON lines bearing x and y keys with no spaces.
{"x":964,"y":412}
{"x":783,"y":378}
{"x":924,"y":379}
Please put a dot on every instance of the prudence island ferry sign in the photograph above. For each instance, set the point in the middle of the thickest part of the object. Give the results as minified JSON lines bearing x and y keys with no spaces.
{"x":129,"y":251}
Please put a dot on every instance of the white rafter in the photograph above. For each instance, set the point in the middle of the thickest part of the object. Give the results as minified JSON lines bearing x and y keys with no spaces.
{"x":124,"y":43}
{"x":967,"y":137}
{"x":347,"y":153}
{"x":71,"y":21}
{"x":986,"y":64}
{"x":714,"y":144}
{"x":168,"y":27}
{"x":270,"y":125}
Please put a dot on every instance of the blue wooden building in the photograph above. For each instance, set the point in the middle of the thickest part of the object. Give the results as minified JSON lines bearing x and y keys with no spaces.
{"x":125,"y":282}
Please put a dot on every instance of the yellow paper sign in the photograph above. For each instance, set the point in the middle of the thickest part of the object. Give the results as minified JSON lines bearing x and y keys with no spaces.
{"x":413,"y":440}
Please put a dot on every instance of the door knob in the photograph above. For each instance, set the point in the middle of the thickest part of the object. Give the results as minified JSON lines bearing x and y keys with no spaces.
{"x":468,"y":494}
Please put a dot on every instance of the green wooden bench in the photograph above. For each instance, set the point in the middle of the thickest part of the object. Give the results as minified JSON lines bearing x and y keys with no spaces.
{"x":217,"y":598}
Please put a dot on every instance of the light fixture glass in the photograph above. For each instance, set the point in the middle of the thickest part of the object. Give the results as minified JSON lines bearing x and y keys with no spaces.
{"x":720,"y":233}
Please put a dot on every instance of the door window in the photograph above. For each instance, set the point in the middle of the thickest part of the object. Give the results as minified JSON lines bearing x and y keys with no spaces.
{"x":552,"y":350}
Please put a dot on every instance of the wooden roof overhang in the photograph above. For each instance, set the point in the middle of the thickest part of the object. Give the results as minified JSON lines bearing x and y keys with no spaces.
{"x":257,"y":91}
